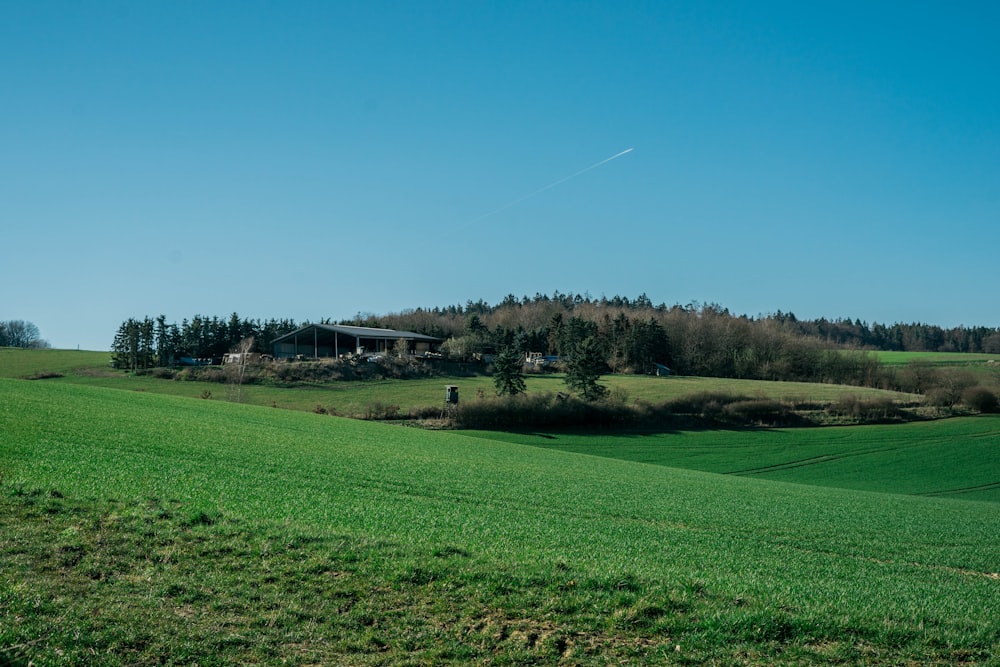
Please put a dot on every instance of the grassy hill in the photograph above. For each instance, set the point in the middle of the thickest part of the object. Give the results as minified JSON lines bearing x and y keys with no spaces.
{"x":357,"y":398}
{"x":937,"y":358}
{"x":151,"y":529}
{"x":23,"y":363}
{"x":953,"y":457}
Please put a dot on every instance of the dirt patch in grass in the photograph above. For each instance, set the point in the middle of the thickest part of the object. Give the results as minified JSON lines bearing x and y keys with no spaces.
{"x":44,"y":375}
{"x":97,"y":373}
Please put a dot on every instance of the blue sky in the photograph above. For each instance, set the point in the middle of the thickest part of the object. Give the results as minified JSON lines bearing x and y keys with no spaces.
{"x":319,"y":159}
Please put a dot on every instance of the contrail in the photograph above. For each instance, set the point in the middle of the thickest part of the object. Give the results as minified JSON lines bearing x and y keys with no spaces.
{"x":552,"y":185}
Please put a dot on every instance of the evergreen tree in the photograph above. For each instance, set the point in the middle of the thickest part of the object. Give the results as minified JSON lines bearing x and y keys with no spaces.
{"x":555,"y":333}
{"x":584,"y":367}
{"x":193,"y":336}
{"x":120,"y":348}
{"x":146,"y":343}
{"x":508,"y":373}
{"x":163,"y":352}
{"x":133,"y":345}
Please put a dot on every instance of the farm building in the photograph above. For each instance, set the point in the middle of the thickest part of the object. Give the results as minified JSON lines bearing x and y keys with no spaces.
{"x":332,"y":340}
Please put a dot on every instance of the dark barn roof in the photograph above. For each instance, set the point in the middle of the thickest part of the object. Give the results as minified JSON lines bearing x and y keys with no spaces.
{"x":359,"y":332}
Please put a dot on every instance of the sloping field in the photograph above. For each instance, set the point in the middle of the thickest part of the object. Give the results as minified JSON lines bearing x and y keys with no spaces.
{"x":144,"y":529}
{"x":937,"y":358}
{"x":354,"y":398}
{"x":953,"y":457}
{"x":22,"y":363}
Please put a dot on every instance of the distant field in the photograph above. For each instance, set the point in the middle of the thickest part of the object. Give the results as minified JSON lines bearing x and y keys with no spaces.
{"x":349,"y":398}
{"x":942,"y":358}
{"x":144,"y":529}
{"x":959,"y":458}
{"x":983,"y":368}
{"x":21,"y":363}
{"x":354,"y":398}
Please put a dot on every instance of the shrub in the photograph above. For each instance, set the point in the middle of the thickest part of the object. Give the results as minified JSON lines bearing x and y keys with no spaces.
{"x":865,"y":409}
{"x":980,"y":399}
{"x":719,"y":408}
{"x":212,"y":374}
{"x":707,"y":405}
{"x":379,"y":410}
{"x":527,"y":411}
{"x":918,"y":377}
{"x":760,"y":411}
{"x":426,"y":412}
{"x":618,"y":395}
{"x":355,"y":368}
{"x":942,"y":397}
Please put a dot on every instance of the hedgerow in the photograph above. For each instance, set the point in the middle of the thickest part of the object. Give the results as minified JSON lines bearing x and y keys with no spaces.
{"x":529,"y":411}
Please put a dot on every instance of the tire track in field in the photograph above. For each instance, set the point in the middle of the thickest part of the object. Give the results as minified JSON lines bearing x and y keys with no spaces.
{"x":961,"y":489}
{"x":813,"y":460}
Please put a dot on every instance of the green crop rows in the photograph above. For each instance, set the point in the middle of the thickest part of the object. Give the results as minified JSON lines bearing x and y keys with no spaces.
{"x":149,"y":529}
{"x":953,"y":457}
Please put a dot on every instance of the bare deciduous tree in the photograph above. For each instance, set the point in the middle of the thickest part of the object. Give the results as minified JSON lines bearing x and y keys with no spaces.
{"x":237,"y":368}
{"x":18,"y":333}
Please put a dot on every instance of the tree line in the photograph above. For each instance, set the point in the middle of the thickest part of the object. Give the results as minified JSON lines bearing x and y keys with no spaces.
{"x":534,"y":312}
{"x":703,"y":342}
{"x":150,"y":342}
{"x":629,"y":335}
{"x":634,"y":335}
{"x":19,"y":333}
{"x":913,"y":337}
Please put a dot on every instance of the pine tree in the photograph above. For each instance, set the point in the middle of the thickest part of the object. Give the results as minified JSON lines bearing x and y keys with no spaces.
{"x":147,"y":343}
{"x":584,"y":367}
{"x":508,"y":373}
{"x":162,"y":342}
{"x":120,"y":348}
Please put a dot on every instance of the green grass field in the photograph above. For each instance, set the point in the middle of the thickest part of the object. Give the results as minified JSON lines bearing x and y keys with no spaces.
{"x":151,"y":529}
{"x":937,"y":358}
{"x":982,"y":368}
{"x":952,"y":457}
{"x":353,"y":398}
{"x":21,"y":363}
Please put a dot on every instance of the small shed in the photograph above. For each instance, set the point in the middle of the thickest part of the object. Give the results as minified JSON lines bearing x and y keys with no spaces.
{"x":661,"y":371}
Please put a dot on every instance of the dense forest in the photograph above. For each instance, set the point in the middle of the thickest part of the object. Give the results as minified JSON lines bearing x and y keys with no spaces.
{"x":633,"y":336}
{"x":152,"y":342}
{"x":533,"y":313}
